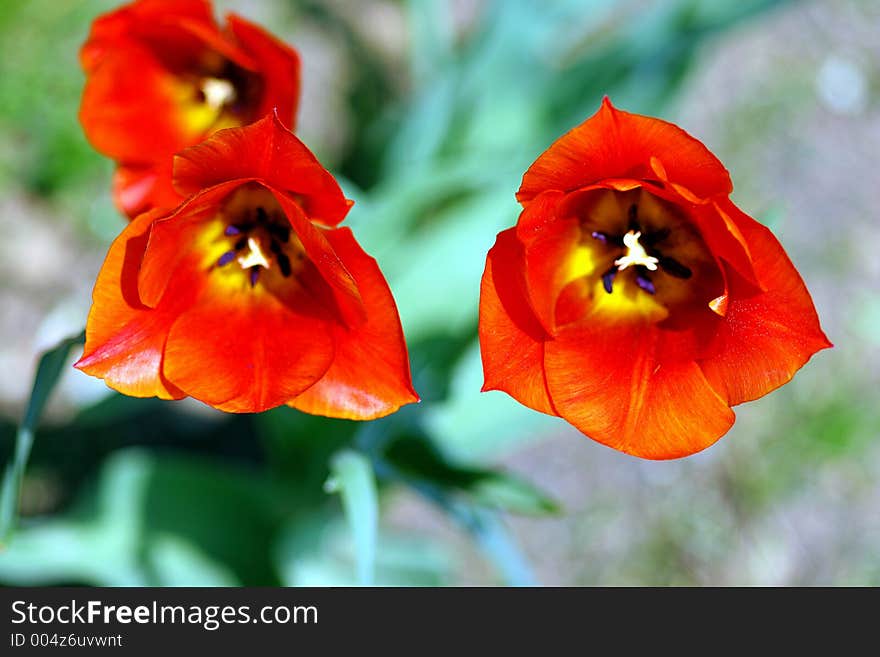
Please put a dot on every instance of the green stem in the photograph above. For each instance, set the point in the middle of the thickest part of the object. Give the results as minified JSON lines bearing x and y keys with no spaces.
{"x":49,"y":371}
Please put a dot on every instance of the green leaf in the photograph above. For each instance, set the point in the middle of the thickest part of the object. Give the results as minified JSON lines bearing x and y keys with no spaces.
{"x":416,"y":458}
{"x":48,"y":373}
{"x":352,"y":477}
{"x":513,"y":494}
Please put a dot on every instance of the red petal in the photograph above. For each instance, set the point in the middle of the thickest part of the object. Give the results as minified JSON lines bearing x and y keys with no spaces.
{"x":721,"y":235}
{"x":268,"y":151}
{"x":331,"y":267}
{"x":243,"y":349}
{"x":370,"y":376}
{"x":549,"y":241}
{"x":278,"y":64}
{"x":138,"y":188}
{"x":115,"y":100}
{"x":627,"y":386}
{"x":768,"y":336}
{"x":617,"y":144}
{"x":124,"y":340}
{"x":511,"y":337}
{"x":144,"y":18}
{"x":171,"y":239}
{"x":171,"y":236}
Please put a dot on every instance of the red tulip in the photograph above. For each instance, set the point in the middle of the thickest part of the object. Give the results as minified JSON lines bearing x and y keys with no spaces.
{"x":633,"y":298}
{"x":248,"y":295}
{"x":162,"y":76}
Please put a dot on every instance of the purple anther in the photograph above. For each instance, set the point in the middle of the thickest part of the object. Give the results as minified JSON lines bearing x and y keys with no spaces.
{"x":608,"y":279}
{"x":645,"y":283}
{"x":226,"y":258}
{"x":232,"y":230}
{"x":254,"y":275}
{"x":602,"y":237}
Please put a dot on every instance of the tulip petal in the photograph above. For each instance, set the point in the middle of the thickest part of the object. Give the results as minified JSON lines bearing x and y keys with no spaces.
{"x":124,"y":339}
{"x":767,"y":336}
{"x":279,"y":67}
{"x":268,"y":151}
{"x":321,"y":253}
{"x":370,"y":375}
{"x":114,"y":100}
{"x":552,"y":255}
{"x":144,"y":18}
{"x":511,"y":337}
{"x":172,"y":237}
{"x":242,"y":349}
{"x":617,"y":144}
{"x":618,"y":385}
{"x":139,"y":188}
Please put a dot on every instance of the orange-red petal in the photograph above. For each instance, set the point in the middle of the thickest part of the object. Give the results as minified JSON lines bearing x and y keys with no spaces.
{"x":370,"y":375}
{"x":617,"y":144}
{"x":132,"y":118}
{"x":242,"y":349}
{"x":548,"y":240}
{"x":278,"y":65}
{"x":171,"y":238}
{"x":617,"y":384}
{"x":511,"y":337}
{"x":139,"y":188}
{"x":124,"y":339}
{"x":150,"y":19}
{"x":270,"y":152}
{"x":766,"y":336}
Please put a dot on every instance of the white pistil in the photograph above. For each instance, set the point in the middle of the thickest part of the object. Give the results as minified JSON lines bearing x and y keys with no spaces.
{"x":218,"y":92}
{"x":635,"y":253}
{"x":254,"y":256}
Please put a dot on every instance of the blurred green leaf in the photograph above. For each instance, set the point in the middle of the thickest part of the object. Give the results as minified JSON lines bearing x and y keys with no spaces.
{"x":48,"y":372}
{"x":151,"y":519}
{"x":416,"y":459}
{"x":176,"y":562}
{"x":317,"y":550}
{"x":352,"y":477}
{"x":96,"y":543}
{"x":512,"y":494}
{"x":299,"y":447}
{"x":474,"y":426}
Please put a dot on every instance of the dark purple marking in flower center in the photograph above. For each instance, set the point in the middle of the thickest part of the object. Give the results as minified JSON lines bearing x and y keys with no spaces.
{"x":277,"y":233}
{"x":649,"y":240}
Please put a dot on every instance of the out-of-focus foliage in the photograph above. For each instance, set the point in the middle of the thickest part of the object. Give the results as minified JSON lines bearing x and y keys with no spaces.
{"x":439,"y":107}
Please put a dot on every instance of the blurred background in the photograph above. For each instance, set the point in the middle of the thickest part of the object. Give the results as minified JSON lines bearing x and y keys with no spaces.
{"x":429,"y":111}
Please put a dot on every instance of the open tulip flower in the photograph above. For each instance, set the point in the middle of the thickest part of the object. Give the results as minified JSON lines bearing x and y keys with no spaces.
{"x":248,"y":296}
{"x":162,"y":76}
{"x":633,"y":298}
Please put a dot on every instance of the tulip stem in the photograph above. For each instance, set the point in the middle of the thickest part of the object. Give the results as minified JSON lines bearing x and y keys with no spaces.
{"x":49,"y":371}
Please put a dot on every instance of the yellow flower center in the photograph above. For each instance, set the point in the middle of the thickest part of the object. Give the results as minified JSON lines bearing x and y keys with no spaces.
{"x":638,"y":257}
{"x":250,"y":242}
